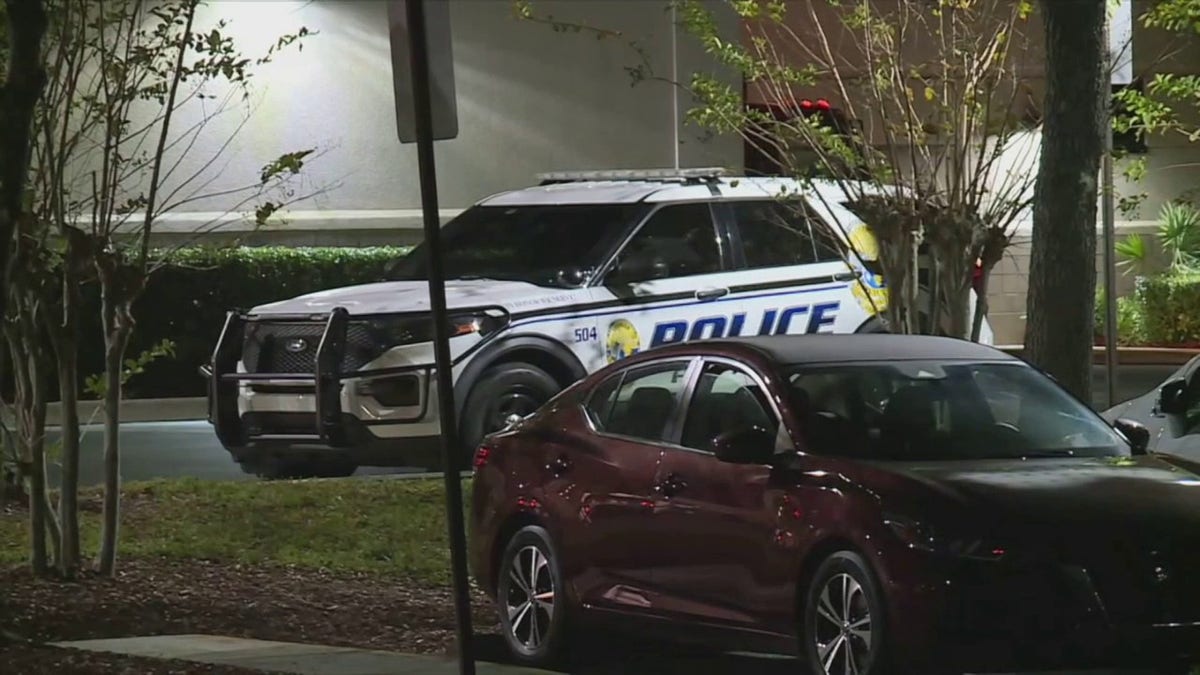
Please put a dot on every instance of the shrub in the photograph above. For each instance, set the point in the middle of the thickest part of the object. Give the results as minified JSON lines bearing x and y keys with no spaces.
{"x":1131,"y":329}
{"x":186,"y":300}
{"x":1170,"y":305}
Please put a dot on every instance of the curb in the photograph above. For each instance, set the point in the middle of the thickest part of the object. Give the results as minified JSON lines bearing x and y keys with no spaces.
{"x":133,"y":410}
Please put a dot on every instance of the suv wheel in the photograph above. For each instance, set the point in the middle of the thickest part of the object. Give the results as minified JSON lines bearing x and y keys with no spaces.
{"x":504,"y":390}
{"x":843,"y":629}
{"x":530,"y":598}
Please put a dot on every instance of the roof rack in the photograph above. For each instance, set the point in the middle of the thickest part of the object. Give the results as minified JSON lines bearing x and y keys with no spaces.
{"x":700,"y":175}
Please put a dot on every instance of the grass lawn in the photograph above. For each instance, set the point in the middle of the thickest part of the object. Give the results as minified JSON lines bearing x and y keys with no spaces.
{"x":354,"y":525}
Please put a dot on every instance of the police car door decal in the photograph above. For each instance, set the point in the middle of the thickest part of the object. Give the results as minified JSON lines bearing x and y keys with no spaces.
{"x":671,"y":270}
{"x":789,"y":283}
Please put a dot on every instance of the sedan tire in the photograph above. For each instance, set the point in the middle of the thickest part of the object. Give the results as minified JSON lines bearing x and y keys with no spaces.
{"x":531,"y":599}
{"x":843,"y":631}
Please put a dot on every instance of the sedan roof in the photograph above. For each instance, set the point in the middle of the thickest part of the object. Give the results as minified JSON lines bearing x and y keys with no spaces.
{"x":841,"y":348}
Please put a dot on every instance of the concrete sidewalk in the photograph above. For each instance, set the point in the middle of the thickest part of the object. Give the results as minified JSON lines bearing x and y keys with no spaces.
{"x":302,"y":659}
{"x":286,"y":657}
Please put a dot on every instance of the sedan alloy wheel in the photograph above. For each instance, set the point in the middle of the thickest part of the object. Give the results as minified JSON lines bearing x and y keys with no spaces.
{"x":843,"y":620}
{"x":531,"y":603}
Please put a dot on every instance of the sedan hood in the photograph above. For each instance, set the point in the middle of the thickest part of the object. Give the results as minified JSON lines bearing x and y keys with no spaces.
{"x":413,"y":296}
{"x":1142,"y":493}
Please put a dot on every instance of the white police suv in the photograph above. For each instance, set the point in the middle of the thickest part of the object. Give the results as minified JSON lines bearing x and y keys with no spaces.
{"x":544,"y":285}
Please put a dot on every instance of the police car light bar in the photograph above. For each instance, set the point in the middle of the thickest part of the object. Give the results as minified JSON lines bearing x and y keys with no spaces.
{"x":709,"y":173}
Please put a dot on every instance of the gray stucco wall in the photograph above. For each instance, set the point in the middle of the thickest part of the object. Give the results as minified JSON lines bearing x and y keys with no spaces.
{"x":530,"y":100}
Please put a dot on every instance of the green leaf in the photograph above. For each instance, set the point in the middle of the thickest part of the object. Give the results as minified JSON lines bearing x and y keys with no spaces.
{"x":1132,"y":252}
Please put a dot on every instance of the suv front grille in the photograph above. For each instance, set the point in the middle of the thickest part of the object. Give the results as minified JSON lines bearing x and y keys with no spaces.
{"x":291,"y":347}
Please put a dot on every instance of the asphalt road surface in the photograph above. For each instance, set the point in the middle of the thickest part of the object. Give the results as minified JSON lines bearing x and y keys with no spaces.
{"x":173,"y":449}
{"x":170,"y":450}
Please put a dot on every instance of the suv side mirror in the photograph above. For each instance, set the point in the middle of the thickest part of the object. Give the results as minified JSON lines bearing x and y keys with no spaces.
{"x":1134,"y":432}
{"x":572,"y":276}
{"x":1172,"y":398}
{"x":638,"y":268}
{"x":748,"y":445}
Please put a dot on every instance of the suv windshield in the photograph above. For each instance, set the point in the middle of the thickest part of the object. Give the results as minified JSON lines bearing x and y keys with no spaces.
{"x":930,"y":411}
{"x":545,"y":245}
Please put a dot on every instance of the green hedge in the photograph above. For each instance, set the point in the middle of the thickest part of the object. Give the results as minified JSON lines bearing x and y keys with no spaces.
{"x":1170,"y":307}
{"x":1131,"y":330}
{"x":186,"y":300}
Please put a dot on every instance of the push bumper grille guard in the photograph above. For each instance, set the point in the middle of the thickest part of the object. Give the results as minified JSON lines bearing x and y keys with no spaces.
{"x":224,"y":379}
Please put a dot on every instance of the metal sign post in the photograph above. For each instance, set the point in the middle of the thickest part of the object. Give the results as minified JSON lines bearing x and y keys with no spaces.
{"x":418,"y":56}
{"x":1120,"y":66}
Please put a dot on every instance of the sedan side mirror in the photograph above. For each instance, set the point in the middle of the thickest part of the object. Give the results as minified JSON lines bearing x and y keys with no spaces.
{"x":749,"y":445}
{"x":1172,"y":398}
{"x":1134,"y":432}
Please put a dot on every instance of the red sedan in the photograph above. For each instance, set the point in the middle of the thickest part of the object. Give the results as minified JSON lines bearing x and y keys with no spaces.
{"x":865,"y":502}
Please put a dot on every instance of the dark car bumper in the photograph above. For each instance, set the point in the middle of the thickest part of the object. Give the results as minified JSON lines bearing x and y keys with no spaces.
{"x":1028,"y":616}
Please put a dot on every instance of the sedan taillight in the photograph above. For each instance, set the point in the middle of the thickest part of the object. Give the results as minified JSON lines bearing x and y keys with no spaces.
{"x":481,"y":456}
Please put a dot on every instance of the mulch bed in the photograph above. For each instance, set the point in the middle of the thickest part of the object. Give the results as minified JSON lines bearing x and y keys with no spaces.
{"x":164,"y":597}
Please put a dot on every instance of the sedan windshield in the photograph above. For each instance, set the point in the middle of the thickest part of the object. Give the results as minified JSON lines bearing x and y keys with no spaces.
{"x":930,"y":411}
{"x":549,"y":245}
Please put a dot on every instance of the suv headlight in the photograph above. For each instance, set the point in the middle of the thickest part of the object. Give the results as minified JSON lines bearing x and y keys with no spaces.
{"x":395,"y":331}
{"x":923,"y":537}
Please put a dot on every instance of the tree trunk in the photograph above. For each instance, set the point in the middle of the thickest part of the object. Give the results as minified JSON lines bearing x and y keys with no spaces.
{"x":36,"y":433}
{"x":1062,"y":271}
{"x":981,"y":305}
{"x":64,"y":337}
{"x":117,"y":327}
{"x":19,"y":95}
{"x":912,"y":289}
{"x":29,"y":432}
{"x":933,"y":309}
{"x":35,"y":462}
{"x":68,"y":507}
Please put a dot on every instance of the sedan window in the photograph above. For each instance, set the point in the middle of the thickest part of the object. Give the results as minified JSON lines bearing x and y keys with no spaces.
{"x":646,"y":401}
{"x":600,"y":403}
{"x":1192,"y":396}
{"x":925,"y":411}
{"x":727,"y":399}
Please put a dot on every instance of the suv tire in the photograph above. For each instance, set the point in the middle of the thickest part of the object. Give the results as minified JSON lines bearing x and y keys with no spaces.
{"x":514,"y":388}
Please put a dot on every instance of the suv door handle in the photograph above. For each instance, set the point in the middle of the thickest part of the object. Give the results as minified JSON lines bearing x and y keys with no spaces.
{"x":711,"y":293}
{"x":849,"y":275}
